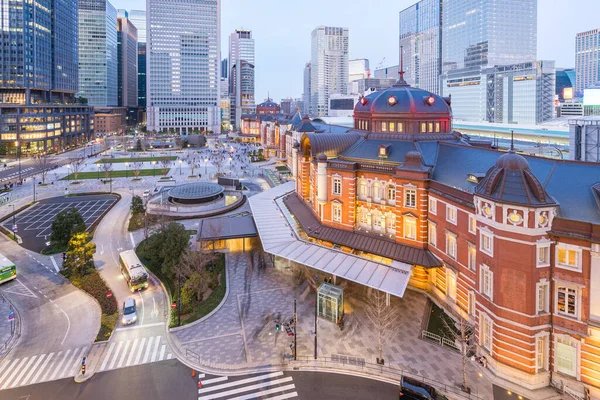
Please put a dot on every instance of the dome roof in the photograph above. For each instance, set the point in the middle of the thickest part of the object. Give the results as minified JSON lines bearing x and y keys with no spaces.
{"x":403,"y":99}
{"x":511,"y":180}
{"x":268,"y":104}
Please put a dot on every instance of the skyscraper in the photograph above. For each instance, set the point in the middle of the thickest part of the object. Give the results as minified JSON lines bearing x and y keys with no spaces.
{"x":183,"y":41}
{"x":306,"y":95}
{"x":358,"y":69}
{"x":98,"y":55}
{"x":587,"y":60}
{"x":38,"y":78}
{"x":139,"y":21}
{"x":421,"y":43}
{"x":329,"y":66}
{"x":487,"y":33}
{"x":127,"y":61}
{"x":241,"y":77}
{"x":225,"y":68}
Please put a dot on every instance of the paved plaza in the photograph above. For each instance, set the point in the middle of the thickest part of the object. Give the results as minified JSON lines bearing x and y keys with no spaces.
{"x":242,"y":332}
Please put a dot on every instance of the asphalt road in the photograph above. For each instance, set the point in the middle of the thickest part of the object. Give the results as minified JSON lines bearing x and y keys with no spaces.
{"x":173,"y":380}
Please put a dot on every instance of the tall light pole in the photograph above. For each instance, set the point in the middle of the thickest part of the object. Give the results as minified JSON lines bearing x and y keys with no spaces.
{"x":180,"y":162}
{"x":153,"y":168}
{"x":14,"y":223}
{"x":126,"y":170}
{"x":99,"y":166}
{"x":205,"y":166}
{"x":18,"y":158}
{"x":68,"y":173}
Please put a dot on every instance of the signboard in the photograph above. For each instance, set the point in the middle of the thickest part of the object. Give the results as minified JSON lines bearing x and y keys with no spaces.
{"x":174,"y":305}
{"x":15,"y":227}
{"x":11,"y":315}
{"x":568,"y":93}
{"x":591,"y":97}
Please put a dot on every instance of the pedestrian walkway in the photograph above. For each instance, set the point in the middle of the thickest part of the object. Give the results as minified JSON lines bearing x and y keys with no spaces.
{"x":271,"y":386}
{"x":137,"y":351}
{"x":7,"y":329}
{"x":40,"y":368}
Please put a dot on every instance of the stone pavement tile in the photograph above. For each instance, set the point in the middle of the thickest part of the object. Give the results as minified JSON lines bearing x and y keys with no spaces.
{"x":5,"y":325}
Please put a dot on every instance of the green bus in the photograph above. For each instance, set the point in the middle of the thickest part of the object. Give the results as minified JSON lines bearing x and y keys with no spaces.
{"x":134,"y":272}
{"x":8,"y":270}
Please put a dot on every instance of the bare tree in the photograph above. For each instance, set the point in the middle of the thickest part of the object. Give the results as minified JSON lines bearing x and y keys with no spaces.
{"x":136,"y":167}
{"x":43,"y":163}
{"x":165,"y":163}
{"x":218,"y":159}
{"x":193,"y":267}
{"x":77,"y":165}
{"x":383,"y":318}
{"x":462,"y":334}
{"x":105,"y":144}
{"x":193,"y":161}
{"x":107,"y":168}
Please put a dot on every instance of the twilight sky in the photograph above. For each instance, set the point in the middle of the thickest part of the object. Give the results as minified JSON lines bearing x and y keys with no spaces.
{"x":282,"y":29}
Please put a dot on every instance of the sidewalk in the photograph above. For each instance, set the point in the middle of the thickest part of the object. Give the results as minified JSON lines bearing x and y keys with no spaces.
{"x":241,"y":335}
{"x":9,"y":332}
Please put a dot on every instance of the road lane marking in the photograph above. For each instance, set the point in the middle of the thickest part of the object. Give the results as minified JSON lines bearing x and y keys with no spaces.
{"x":122,"y":360}
{"x":76,"y":363}
{"x":22,"y":292}
{"x":105,"y":361}
{"x":68,"y":326}
{"x":54,"y":263}
{"x":4,"y":365}
{"x":214,"y":380}
{"x":155,"y":352}
{"x":162,"y":352}
{"x":140,"y":351}
{"x":23,"y":370}
{"x":132,"y":240}
{"x":115,"y":356}
{"x":169,"y":356}
{"x":60,"y":364}
{"x":154,"y":312}
{"x":32,"y":370}
{"x":140,"y":326}
{"x":250,"y":395}
{"x":65,"y":369}
{"x":240,"y":382}
{"x":14,"y":372}
{"x":143,"y":309}
{"x":149,"y":348}
{"x":42,"y":369}
{"x":283,"y":396}
{"x":131,"y":353}
{"x":12,"y":363}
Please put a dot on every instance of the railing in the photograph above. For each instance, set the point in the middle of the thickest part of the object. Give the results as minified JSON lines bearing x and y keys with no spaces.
{"x":440,"y":341}
{"x":573,"y":394}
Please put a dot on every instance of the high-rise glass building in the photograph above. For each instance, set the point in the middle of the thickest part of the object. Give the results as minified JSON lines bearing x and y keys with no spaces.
{"x":98,"y":54}
{"x":486,"y":33}
{"x":358,"y":69}
{"x":587,"y":60}
{"x":127,"y":61}
{"x":329,"y":66}
{"x":306,"y":97}
{"x":421,"y":44}
{"x":38,"y":77}
{"x":182,"y":81}
{"x":241,"y":75}
{"x":138,"y":18}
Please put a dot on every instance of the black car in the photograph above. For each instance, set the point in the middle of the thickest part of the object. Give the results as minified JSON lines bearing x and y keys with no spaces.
{"x":413,"y":389}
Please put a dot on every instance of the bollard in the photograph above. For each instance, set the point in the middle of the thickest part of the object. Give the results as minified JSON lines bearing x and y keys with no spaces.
{"x":193,"y":373}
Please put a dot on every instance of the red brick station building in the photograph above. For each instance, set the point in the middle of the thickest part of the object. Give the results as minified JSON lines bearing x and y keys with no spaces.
{"x":510,"y":242}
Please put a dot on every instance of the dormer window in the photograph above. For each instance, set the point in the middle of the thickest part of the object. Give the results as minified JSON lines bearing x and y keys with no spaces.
{"x":384,"y":150}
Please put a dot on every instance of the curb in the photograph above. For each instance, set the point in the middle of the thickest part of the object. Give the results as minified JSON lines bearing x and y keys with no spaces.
{"x":17,"y":335}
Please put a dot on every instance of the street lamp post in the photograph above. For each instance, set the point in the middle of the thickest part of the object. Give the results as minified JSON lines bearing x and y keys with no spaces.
{"x":34,"y":188}
{"x":99,"y":171}
{"x":18,"y":158}
{"x":126,"y":170}
{"x":68,"y":172}
{"x":153,"y":168}
{"x":14,"y":223}
{"x":180,"y":162}
{"x":205,"y":166}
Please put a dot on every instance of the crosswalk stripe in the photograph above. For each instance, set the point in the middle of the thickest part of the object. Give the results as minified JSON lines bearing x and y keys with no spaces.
{"x":68,"y":365}
{"x":4,"y":365}
{"x":162,"y":352}
{"x":240,"y":382}
{"x":116,"y":355}
{"x":122,"y":360}
{"x":105,"y":361}
{"x":14,"y":371}
{"x":254,"y":395}
{"x":33,"y":369}
{"x":214,"y":380}
{"x":245,"y":388}
{"x":200,"y":376}
{"x":283,"y":396}
{"x":169,"y":356}
{"x":140,"y":350}
{"x":75,"y":365}
{"x":155,"y":352}
{"x":23,"y":370}
{"x":132,"y":353}
{"x":148,"y":348}
{"x":60,"y":364}
{"x":42,"y":369}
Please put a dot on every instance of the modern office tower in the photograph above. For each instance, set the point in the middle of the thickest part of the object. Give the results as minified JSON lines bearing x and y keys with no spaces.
{"x":329,"y":66}
{"x":565,"y":84}
{"x":224,"y":68}
{"x":38,"y":78}
{"x":286,"y":105}
{"x":127,"y":60}
{"x":486,"y":33}
{"x":182,"y":81}
{"x":421,"y":43}
{"x":587,"y":60}
{"x":241,"y":85}
{"x":361,"y":86}
{"x":358,"y":69}
{"x":98,"y":54}
{"x":387,"y":72}
{"x":306,"y":95}
{"x":138,"y":17}
{"x":225,"y":104}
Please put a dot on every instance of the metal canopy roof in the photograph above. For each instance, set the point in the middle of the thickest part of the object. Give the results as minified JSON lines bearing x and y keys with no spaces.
{"x":276,"y":228}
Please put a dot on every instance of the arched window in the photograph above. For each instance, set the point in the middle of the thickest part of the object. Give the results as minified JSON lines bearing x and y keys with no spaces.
{"x":384,"y":127}
{"x":363,"y":189}
{"x":392,"y":127}
{"x":390,"y":221}
{"x":377,"y":191}
{"x":391,"y":193}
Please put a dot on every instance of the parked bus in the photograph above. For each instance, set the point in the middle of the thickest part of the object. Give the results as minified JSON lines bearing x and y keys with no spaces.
{"x":132,"y":269}
{"x":8,"y":270}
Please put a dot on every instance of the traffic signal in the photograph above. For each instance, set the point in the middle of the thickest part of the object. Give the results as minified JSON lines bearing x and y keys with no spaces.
{"x":277,"y":327}
{"x":83,"y":369}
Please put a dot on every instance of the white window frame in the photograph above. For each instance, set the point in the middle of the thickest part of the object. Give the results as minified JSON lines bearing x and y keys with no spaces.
{"x":410,"y":193}
{"x":391,"y":193}
{"x":471,"y":256}
{"x":545,"y":248}
{"x":542,"y":298}
{"x":390,"y":222}
{"x":336,"y":212}
{"x":568,"y":248}
{"x":433,"y":206}
{"x":454,"y":211}
{"x":542,"y":348}
{"x":410,"y":221}
{"x":376,"y":190}
{"x":471,"y":303}
{"x":335,"y":182}
{"x":432,"y":233}
{"x":486,"y":282}
{"x":451,"y":250}
{"x":472,"y":224}
{"x":566,"y":343}
{"x":567,"y":288}
{"x":486,"y":335}
{"x":486,"y":235}
{"x":360,"y":186}
{"x":451,"y":283}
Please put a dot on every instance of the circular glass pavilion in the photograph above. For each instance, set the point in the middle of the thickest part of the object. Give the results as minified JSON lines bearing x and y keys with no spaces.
{"x":196,"y":193}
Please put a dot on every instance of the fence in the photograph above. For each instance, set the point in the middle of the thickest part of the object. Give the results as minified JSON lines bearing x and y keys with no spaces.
{"x":440,"y":341}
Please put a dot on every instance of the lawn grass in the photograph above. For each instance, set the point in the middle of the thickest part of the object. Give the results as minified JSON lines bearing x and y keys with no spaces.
{"x":114,"y":174}
{"x":54,"y":248}
{"x":135,"y":159}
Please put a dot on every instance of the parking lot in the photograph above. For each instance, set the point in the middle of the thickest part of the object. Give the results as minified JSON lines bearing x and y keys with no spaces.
{"x":34,"y":225}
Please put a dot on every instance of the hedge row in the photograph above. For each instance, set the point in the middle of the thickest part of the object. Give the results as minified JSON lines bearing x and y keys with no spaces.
{"x":93,"y":284}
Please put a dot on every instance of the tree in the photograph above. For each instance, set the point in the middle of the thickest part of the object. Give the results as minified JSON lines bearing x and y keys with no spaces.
{"x":107,"y":168}
{"x":80,"y":253}
{"x":217,"y":158}
{"x":137,"y":205}
{"x":165,"y":164}
{"x":138,"y":145}
{"x":193,"y":161}
{"x":67,"y":223}
{"x":136,"y":167}
{"x":77,"y":165}
{"x":383,"y":318}
{"x":461,"y":333}
{"x":193,"y":266}
{"x":43,"y":163}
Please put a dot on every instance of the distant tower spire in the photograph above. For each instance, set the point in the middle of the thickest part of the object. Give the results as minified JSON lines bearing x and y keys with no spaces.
{"x":401,"y":81}
{"x":512,"y":140}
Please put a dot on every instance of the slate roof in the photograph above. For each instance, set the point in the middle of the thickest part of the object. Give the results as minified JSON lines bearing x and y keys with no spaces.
{"x":409,"y":101}
{"x":226,"y":228}
{"x":371,"y":244}
{"x":331,"y":144}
